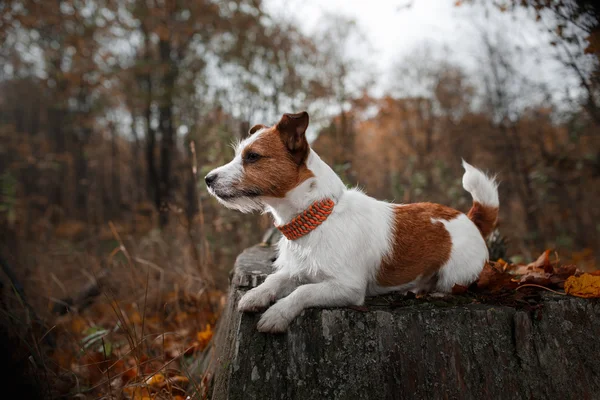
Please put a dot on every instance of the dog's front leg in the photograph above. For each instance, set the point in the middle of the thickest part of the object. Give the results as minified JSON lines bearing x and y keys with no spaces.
{"x":322,"y":294}
{"x":276,"y":285}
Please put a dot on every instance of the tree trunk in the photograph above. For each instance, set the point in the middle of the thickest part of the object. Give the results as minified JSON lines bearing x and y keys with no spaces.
{"x":524,"y":186}
{"x":115,"y":173}
{"x":81,"y":136}
{"x":166,"y":160}
{"x":426,"y":121}
{"x":191,"y":191}
{"x":146,"y":86}
{"x":398,"y":348}
{"x":57,"y":122}
{"x":137,"y":157}
{"x":165,"y":117}
{"x":81,"y":174}
{"x":152,"y":185}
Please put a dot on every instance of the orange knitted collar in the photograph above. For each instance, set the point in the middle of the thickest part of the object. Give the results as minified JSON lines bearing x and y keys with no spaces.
{"x":308,"y":220}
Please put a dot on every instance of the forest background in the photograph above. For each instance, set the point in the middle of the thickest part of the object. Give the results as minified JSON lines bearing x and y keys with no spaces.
{"x":112,"y":112}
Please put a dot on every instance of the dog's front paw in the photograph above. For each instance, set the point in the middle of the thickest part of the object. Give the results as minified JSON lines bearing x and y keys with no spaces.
{"x":275,"y":320}
{"x":255,"y":300}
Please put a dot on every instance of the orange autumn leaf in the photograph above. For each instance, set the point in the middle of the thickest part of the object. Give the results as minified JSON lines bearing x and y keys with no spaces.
{"x":204,"y":336}
{"x":541,"y":272}
{"x":540,"y":266}
{"x":181,"y":316}
{"x":543,"y":262}
{"x":129,"y":374}
{"x":156,"y":380}
{"x":586,"y":285}
{"x":78,"y":324}
{"x":135,"y":318}
{"x":492,"y":279}
{"x":459,"y":289}
{"x":138,"y":393}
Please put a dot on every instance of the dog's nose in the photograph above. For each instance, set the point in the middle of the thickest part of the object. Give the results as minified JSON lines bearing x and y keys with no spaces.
{"x":210,"y":179}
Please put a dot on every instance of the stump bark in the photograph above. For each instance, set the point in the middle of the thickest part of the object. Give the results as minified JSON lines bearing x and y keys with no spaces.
{"x":399,"y":348}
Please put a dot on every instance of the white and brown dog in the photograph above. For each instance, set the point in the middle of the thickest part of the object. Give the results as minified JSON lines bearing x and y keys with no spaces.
{"x":340,"y":245}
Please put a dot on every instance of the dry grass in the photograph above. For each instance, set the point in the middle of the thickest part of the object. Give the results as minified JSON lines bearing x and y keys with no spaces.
{"x":140,"y":335}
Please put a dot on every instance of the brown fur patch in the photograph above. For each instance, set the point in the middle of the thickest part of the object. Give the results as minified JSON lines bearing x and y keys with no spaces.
{"x":292,"y":130}
{"x":484,"y":217}
{"x":276,"y":172}
{"x":256,"y":128}
{"x":421,"y":247}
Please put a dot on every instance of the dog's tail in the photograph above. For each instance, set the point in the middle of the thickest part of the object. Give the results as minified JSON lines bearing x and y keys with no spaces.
{"x":484,"y":189}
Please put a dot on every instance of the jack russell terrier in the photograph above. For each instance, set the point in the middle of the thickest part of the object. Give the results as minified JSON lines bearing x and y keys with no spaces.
{"x":340,"y":245}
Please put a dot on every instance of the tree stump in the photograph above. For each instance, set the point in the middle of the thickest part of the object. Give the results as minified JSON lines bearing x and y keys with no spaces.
{"x":401,"y":348}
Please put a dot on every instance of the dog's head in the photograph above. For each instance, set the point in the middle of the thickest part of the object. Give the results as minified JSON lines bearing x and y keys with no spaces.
{"x":269,"y":163}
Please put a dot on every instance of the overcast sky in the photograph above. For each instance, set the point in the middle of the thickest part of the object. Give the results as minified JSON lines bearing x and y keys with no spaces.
{"x":391,"y":28}
{"x":395,"y":31}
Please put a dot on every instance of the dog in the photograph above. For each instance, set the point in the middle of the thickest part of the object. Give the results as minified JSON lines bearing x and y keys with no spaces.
{"x":338,"y":244}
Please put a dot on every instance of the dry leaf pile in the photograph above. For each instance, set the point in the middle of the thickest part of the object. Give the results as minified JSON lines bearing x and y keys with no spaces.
{"x":519,"y":284}
{"x":119,"y":351}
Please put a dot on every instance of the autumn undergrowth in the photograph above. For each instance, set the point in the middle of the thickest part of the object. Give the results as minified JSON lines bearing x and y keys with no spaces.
{"x":115,"y":314}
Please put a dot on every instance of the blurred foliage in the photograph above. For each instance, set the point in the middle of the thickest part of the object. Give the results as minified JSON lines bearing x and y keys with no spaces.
{"x":101,"y":100}
{"x":8,"y":191}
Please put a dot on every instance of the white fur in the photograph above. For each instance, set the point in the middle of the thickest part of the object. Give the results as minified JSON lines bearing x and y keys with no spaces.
{"x":467,"y":257}
{"x":337,"y":263}
{"x":483,"y":188}
{"x":232,"y":173}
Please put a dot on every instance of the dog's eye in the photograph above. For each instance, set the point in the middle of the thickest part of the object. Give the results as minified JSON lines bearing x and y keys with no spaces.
{"x":252,"y":157}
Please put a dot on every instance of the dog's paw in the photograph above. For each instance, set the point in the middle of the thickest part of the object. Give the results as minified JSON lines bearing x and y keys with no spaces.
{"x":254,"y":300}
{"x":275,"y":320}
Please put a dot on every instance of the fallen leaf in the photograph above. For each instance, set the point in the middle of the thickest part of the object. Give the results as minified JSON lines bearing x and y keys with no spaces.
{"x":135,"y":318}
{"x":204,"y":336}
{"x":586,"y":285}
{"x":543,"y":262}
{"x":181,"y":316}
{"x":542,"y":272}
{"x":541,"y":265}
{"x":129,"y":374}
{"x":138,"y":393}
{"x":562,"y":273}
{"x":493,"y":280}
{"x":459,"y":289}
{"x":91,"y":366}
{"x":156,"y":380}
{"x":78,"y":324}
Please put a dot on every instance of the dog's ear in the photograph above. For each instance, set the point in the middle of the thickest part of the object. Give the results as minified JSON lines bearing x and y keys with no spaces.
{"x":292,"y":129}
{"x":255,"y":128}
